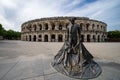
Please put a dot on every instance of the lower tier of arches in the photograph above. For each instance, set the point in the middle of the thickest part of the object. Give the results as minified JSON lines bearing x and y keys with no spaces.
{"x":61,"y":37}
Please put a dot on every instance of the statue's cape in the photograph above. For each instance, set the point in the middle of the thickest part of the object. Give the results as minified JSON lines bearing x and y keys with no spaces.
{"x":80,"y":65}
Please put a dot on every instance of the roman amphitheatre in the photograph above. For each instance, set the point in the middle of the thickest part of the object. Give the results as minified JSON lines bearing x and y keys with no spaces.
{"x":53,"y":29}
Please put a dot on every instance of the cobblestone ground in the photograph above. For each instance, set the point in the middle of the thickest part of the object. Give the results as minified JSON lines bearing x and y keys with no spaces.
{"x":20,"y":60}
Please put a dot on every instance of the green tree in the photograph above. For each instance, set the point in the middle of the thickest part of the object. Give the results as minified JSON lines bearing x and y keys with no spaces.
{"x":114,"y":34}
{"x":1,"y":30}
{"x":17,"y":35}
{"x":10,"y":34}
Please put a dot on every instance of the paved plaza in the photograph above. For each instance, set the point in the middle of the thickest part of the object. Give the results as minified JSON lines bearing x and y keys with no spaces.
{"x":22,"y":60}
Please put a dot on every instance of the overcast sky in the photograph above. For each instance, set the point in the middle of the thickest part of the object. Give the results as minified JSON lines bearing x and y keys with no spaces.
{"x":14,"y":12}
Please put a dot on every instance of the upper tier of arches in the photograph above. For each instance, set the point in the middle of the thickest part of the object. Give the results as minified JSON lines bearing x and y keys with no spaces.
{"x":86,"y":25}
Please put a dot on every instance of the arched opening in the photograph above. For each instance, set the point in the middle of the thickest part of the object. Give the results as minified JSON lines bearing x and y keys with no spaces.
{"x":52,"y":38}
{"x":53,"y":26}
{"x":40,"y":27}
{"x":29,"y":37}
{"x":34,"y":38}
{"x":81,"y":26}
{"x":98,"y":38}
{"x":40,"y":38}
{"x":94,"y":39}
{"x":60,"y":38}
{"x":87,"y":26}
{"x":93,"y":26}
{"x":35,"y":27}
{"x":46,"y":38}
{"x":60,"y":27}
{"x":46,"y":26}
{"x":88,"y":38}
{"x":82,"y":38}
{"x":101,"y":28}
{"x":97,"y":27}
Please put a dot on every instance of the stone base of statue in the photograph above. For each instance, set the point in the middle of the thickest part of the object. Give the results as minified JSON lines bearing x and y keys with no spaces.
{"x":79,"y":65}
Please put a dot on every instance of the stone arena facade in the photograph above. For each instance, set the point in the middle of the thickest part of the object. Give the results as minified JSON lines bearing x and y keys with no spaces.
{"x":54,"y":29}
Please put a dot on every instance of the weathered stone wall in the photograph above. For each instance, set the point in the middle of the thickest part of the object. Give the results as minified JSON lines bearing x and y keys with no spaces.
{"x":54,"y":29}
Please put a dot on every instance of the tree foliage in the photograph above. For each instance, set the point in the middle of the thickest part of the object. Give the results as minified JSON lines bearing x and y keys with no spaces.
{"x":9,"y":34}
{"x":2,"y":31}
{"x":114,"y":34}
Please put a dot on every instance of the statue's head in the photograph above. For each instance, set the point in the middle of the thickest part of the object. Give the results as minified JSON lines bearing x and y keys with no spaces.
{"x":72,"y":20}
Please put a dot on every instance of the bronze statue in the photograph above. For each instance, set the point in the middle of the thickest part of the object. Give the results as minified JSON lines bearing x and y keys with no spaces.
{"x":73,"y":59}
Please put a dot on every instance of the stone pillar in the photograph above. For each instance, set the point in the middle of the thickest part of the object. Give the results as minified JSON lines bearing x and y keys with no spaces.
{"x":56,"y":26}
{"x":49,"y":27}
{"x":85,"y":38}
{"x":49,"y":37}
{"x":64,"y":37}
{"x":100,"y":38}
{"x":96,"y":38}
{"x":56,"y":37}
{"x":32,"y":37}
{"x":103,"y":37}
{"x":25,"y":37}
{"x":37,"y":27}
{"x":37,"y":37}
{"x":42,"y":37}
{"x":43,"y":27}
{"x":28,"y":37}
{"x":91,"y":38}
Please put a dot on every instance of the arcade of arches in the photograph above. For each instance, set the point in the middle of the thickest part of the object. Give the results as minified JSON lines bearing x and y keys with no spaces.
{"x":54,"y":30}
{"x":61,"y":38}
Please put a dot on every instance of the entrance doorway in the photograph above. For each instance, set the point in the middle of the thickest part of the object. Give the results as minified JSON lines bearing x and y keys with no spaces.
{"x":98,"y":38}
{"x":29,"y":37}
{"x":34,"y":38}
{"x":60,"y":38}
{"x":52,"y":38}
{"x":94,"y":39}
{"x":46,"y":38}
{"x":88,"y":38}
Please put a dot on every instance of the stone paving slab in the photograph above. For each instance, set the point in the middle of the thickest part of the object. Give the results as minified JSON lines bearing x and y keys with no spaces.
{"x":109,"y":74}
{"x":34,"y":78}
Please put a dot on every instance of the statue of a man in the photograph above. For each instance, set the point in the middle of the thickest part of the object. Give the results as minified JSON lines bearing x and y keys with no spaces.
{"x":73,"y":59}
